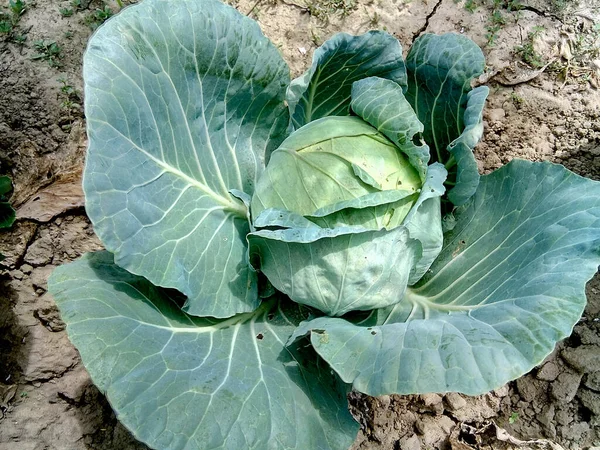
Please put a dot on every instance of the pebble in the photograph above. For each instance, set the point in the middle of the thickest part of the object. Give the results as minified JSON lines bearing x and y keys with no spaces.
{"x":591,"y":400}
{"x":565,"y":387}
{"x":410,"y":443}
{"x":455,"y":401}
{"x":433,"y":401}
{"x":548,"y":372}
{"x":592,"y":381}
{"x":17,"y":274}
{"x":583,"y":358}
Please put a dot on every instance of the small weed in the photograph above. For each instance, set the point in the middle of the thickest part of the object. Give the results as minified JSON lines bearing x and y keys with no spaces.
{"x":316,"y":39}
{"x":517,"y":99}
{"x":67,"y":88}
{"x":97,"y":18}
{"x":68,"y":35}
{"x":322,"y":9}
{"x":470,"y":6}
{"x":492,"y":34}
{"x":373,"y":20}
{"x":527,"y":51}
{"x":514,"y":5}
{"x":497,"y":18}
{"x":24,"y":394}
{"x":514,"y":416}
{"x":9,"y":21}
{"x":19,"y":39}
{"x":5,"y":25}
{"x":17,"y":7}
{"x":71,"y":102}
{"x":48,"y":51}
{"x":76,"y":4}
{"x":495,"y":23}
{"x":66,"y":12}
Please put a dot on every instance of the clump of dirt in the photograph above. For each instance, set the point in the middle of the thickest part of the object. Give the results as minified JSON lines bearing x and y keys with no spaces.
{"x":544,"y":105}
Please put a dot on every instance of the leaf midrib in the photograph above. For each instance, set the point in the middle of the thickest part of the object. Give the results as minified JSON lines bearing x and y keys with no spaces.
{"x":236,"y":207}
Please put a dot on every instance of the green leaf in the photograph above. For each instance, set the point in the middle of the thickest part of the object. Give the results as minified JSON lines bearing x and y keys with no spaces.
{"x":7,"y":215}
{"x":180,"y":382}
{"x":7,"y":212}
{"x":424,"y":221}
{"x":6,"y":187}
{"x":324,"y":90}
{"x":508,"y":284}
{"x":184,"y":100}
{"x":440,"y":70}
{"x":382,"y":104}
{"x":466,"y":174}
{"x":337,"y":270}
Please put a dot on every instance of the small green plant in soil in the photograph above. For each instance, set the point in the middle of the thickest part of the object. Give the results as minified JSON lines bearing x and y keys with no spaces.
{"x":71,"y":99}
{"x":495,"y":23}
{"x":7,"y":212}
{"x":98,"y":16}
{"x":322,"y":9}
{"x":516,"y":99}
{"x":48,"y":50}
{"x":17,"y":7}
{"x":66,"y":12}
{"x":9,"y":22}
{"x":527,"y":51}
{"x":499,"y":12}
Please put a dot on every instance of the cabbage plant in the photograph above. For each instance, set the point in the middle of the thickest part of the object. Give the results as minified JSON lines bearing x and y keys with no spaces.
{"x":272,"y":244}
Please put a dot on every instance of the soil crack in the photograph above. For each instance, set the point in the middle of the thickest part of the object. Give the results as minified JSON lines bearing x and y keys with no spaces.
{"x":427,"y":19}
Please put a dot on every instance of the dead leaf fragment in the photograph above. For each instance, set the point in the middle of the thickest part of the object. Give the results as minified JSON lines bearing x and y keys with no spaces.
{"x":52,"y":201}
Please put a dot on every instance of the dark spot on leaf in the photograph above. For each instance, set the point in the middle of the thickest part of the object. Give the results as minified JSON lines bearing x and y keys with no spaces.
{"x":373,"y":332}
{"x":259,"y":336}
{"x":463,"y":242}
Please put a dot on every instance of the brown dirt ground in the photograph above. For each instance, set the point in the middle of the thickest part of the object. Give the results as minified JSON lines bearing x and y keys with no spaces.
{"x":535,"y":111}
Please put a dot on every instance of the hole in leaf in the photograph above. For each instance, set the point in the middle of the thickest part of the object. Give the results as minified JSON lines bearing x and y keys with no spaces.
{"x":417,"y":139}
{"x":259,"y":336}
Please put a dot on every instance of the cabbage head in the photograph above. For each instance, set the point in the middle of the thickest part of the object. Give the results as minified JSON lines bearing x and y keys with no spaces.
{"x":349,"y":189}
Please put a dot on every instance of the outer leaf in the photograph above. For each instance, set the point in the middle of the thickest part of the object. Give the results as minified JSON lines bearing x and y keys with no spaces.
{"x":466,"y":174}
{"x":179,"y":382}
{"x":337,"y":270}
{"x":183,"y":99}
{"x":324,"y":90}
{"x":509,"y":283}
{"x":381,"y":103}
{"x":440,"y":70}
